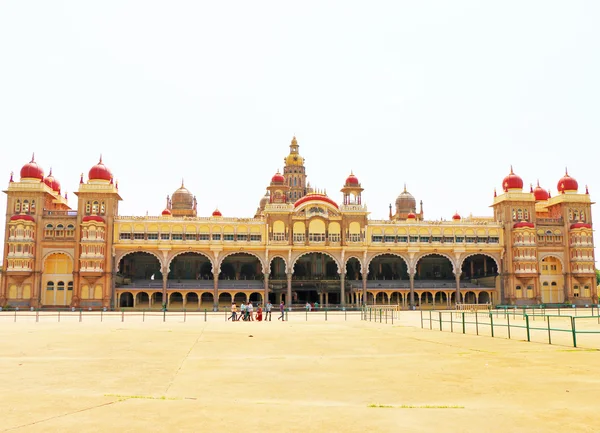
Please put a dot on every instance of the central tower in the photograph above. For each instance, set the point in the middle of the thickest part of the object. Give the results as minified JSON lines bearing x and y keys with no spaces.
{"x":294,"y":173}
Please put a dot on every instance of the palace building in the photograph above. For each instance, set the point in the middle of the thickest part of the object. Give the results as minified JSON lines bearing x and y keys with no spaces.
{"x":300,"y":246}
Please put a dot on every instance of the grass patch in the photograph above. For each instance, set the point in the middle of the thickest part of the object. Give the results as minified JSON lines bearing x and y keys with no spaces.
{"x":417,"y":406}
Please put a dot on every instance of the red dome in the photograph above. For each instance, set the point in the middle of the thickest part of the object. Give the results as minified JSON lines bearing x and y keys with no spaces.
{"x":278,"y":178}
{"x":100,"y":172}
{"x":32,"y":171}
{"x":52,"y":182}
{"x":567,"y":183}
{"x":411,"y":216}
{"x":540,"y":193}
{"x":456,"y":217}
{"x":317,"y":197}
{"x":581,"y":225}
{"x":166,"y":212}
{"x":352,"y":180}
{"x":512,"y":181}
{"x":89,"y":218}
{"x":22,"y":217}
{"x":523,"y":224}
{"x":217,"y":213}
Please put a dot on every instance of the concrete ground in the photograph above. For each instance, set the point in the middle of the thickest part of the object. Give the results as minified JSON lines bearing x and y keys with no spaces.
{"x":342,"y":375}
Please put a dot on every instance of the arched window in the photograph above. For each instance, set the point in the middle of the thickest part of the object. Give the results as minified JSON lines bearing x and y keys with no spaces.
{"x":25,"y":206}
{"x":102,"y":208}
{"x":32,"y":205}
{"x":519,"y":214}
{"x":70,"y":232}
{"x":95,"y":208}
{"x":70,"y":285}
{"x":50,"y":285}
{"x":526,"y":215}
{"x":49,"y":230}
{"x":87,"y":207}
{"x":60,"y":230}
{"x":18,"y":206}
{"x":60,"y":285}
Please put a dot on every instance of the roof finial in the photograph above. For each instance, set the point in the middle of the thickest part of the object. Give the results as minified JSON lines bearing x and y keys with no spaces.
{"x":531,"y":187}
{"x":100,"y":161}
{"x":11,"y":176}
{"x":511,"y":169}
{"x":404,"y":186}
{"x":566,"y":171}
{"x":33,"y":157}
{"x":538,"y":182}
{"x":586,"y":190}
{"x":182,"y":182}
{"x":81,"y":178}
{"x":495,"y":195}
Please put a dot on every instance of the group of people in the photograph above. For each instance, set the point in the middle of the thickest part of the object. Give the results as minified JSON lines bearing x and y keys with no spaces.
{"x":247,"y":312}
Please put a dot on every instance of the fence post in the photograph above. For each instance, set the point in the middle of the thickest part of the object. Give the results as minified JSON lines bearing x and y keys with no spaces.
{"x":440,"y":316}
{"x":15,"y":315}
{"x":346,"y":318}
{"x":476,"y":323}
{"x":59,"y":315}
{"x":451,"y":321}
{"x":527,"y":326}
{"x":573,"y":331}
{"x":392,"y":317}
{"x":380,"y":315}
{"x":549,"y":335}
{"x":143,"y":315}
{"x":205,"y":314}
{"x":80,"y":315}
{"x":430,"y":321}
{"x":287,"y":316}
{"x":463,"y":322}
{"x":164,"y":314}
{"x":421,"y":319}
{"x":306,"y":314}
{"x":37,"y":315}
{"x":508,"y":325}
{"x":492,"y":323}
{"x":101,"y":315}
{"x":185,"y":312}
{"x":122,"y":315}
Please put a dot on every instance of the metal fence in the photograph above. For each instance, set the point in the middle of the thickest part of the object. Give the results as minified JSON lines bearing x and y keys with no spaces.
{"x":553,"y":326}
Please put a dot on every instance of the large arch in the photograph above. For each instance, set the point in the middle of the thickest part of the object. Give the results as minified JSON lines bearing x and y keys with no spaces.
{"x":480,"y":269}
{"x":558,"y":257}
{"x":179,"y":253}
{"x":245,"y":271}
{"x":122,"y":254}
{"x":250,"y":253}
{"x":427,"y":254}
{"x":139,"y":266}
{"x":299,"y":256}
{"x":479,"y":253}
{"x":552,"y":281}
{"x":353,"y":268}
{"x":374,"y":256}
{"x":433,"y":270}
{"x":57,"y":280}
{"x":273,"y":258}
{"x":388,"y":266}
{"x":197,"y":269}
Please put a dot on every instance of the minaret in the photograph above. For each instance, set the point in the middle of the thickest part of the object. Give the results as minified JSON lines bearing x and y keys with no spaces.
{"x":294,"y":172}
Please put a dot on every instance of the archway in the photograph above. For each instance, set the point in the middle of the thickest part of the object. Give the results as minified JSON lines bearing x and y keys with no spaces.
{"x":434,"y":271}
{"x":176,"y":300}
{"x":353,"y":269}
{"x":396,"y":298}
{"x":480,"y":270}
{"x":224,"y":299}
{"x":484,"y":298}
{"x":242,"y":267}
{"x":157,"y":299}
{"x":440,"y":298}
{"x":207,"y":299}
{"x":190,"y":267}
{"x":57,"y":280}
{"x":142,"y":300}
{"x":316,"y":279}
{"x":277,"y":269}
{"x":126,"y":300}
{"x":191,"y":300}
{"x":256,"y":298}
{"x":381,"y":298}
{"x":387,"y":267}
{"x":552,"y":280}
{"x":139,"y":269}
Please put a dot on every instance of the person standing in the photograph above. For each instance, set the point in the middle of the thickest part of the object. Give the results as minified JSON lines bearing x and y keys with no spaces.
{"x":282,"y":311}
{"x":259,"y":315}
{"x":249,"y":310}
{"x":233,"y":317}
{"x":242,"y":311}
{"x":268,"y":308}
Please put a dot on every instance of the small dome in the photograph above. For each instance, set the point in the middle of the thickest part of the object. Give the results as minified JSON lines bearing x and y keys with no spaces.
{"x":53,"y":183}
{"x":100,"y":172}
{"x":217,"y":213}
{"x":278,"y":178}
{"x":315,"y":197}
{"x":32,"y":171}
{"x":567,"y":184}
{"x":512,"y":182}
{"x":524,"y":224}
{"x":182,"y":199}
{"x":405,"y":202}
{"x":540,"y":193}
{"x":581,"y":225}
{"x":166,"y":212}
{"x":456,"y":217}
{"x":352,"y":180}
{"x":94,"y":218}
{"x":22,"y":217}
{"x":411,"y":216}
{"x":264,"y":201}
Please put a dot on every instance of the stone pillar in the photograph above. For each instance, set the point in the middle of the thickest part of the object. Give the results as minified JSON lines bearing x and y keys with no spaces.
{"x":288,"y":296}
{"x":364,"y":289}
{"x":216,"y":294}
{"x":412,"y":291}
{"x":164,"y":288}
{"x":457,"y":295}
{"x":343,"y":289}
{"x":266,"y":291}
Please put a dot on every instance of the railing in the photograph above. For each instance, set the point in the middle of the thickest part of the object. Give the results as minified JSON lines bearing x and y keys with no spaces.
{"x":543,"y":325}
{"x":60,"y":213}
{"x":549,"y":220}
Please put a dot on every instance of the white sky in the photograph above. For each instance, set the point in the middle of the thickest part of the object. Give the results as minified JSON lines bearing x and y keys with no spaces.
{"x":442,"y":95}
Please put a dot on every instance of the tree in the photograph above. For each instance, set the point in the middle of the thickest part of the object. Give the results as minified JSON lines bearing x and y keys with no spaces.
{"x":598,"y":277}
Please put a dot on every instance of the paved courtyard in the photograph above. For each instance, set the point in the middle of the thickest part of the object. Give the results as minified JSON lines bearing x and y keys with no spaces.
{"x":296,"y":376}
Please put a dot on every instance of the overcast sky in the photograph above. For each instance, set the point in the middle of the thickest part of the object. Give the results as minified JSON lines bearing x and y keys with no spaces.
{"x":442,"y":95}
